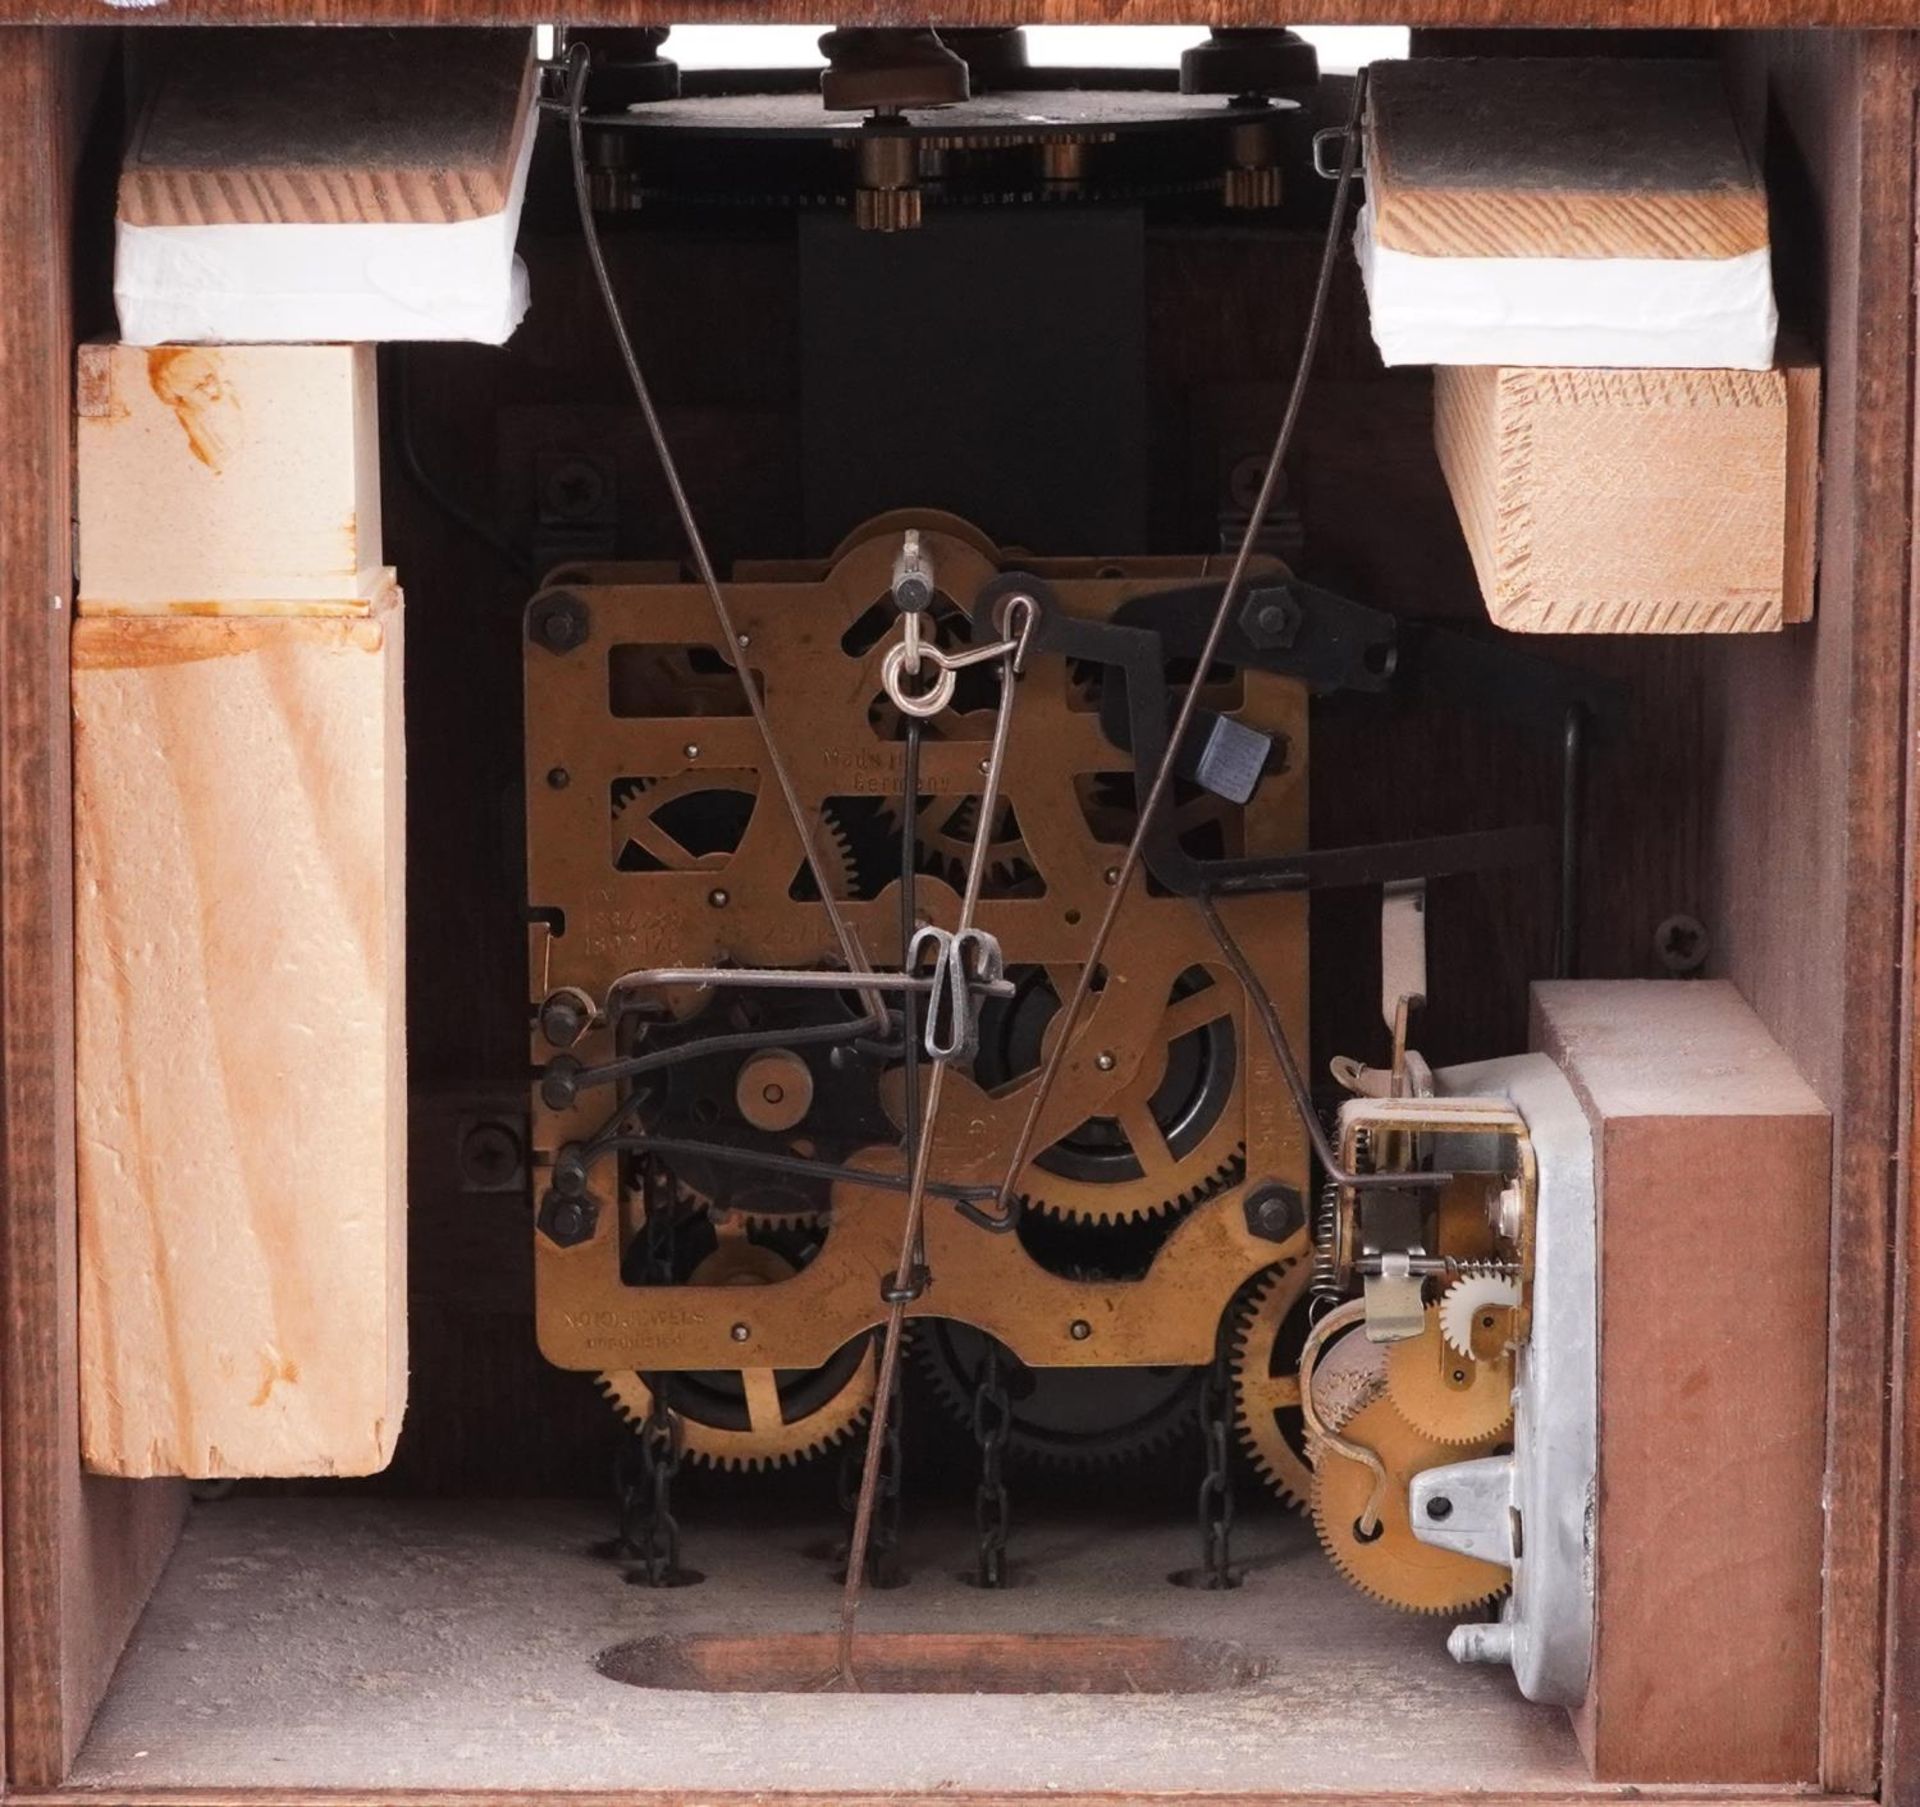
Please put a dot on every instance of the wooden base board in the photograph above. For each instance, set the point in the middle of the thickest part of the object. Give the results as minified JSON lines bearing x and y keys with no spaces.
{"x":1712,"y":1161}
{"x":239,"y":970}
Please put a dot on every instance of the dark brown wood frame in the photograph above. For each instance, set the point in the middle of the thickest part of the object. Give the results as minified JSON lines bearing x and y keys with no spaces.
{"x":77,"y":1557}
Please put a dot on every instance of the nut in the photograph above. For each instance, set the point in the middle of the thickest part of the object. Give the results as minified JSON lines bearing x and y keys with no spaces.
{"x":568,"y":1222}
{"x":1274,"y":1212}
{"x":558,"y":621}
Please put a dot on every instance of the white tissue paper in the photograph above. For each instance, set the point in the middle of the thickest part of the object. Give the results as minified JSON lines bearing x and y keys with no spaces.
{"x":1708,"y":313}
{"x":349,"y":282}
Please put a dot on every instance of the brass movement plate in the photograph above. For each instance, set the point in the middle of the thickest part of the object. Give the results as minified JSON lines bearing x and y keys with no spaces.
{"x":597,"y":719}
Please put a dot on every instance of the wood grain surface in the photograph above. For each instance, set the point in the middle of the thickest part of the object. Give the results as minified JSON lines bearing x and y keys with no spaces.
{"x":351,"y":126}
{"x":1721,"y":14}
{"x":1632,"y":501}
{"x":1708,"y":1533}
{"x":239,"y":966}
{"x":1559,"y":157}
{"x":1809,"y":848}
{"x":79,"y":1556}
{"x":228,"y":480}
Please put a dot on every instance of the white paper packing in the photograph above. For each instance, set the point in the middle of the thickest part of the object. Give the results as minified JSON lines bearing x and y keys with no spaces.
{"x":349,"y":282}
{"x":1596,"y":313}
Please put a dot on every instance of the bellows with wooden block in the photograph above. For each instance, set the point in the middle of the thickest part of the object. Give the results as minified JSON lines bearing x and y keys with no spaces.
{"x":1581,"y":249}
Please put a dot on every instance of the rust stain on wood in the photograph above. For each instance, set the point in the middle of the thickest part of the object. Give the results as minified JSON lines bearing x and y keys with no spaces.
{"x":187,"y":378}
{"x":135,"y":642}
{"x":275,"y":1370}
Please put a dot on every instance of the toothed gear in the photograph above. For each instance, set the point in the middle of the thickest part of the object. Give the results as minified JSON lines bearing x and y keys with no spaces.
{"x":1449,"y":1397}
{"x":1266,"y":1380}
{"x":1064,"y":1418}
{"x":695,"y":821}
{"x":1169,"y":1136}
{"x":697,"y":1100}
{"x":1476,"y":1293}
{"x":754,"y":1418}
{"x":1395,"y":1567}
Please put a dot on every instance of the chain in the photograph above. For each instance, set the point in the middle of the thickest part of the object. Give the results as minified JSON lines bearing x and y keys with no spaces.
{"x":656,"y":1537}
{"x":649,"y":1532}
{"x":992,"y":1423}
{"x":620,"y":1547}
{"x":1216,"y":1484}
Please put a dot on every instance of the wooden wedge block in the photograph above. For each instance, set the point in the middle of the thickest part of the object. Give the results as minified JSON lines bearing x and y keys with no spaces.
{"x":1635,"y":501}
{"x":1713,"y":1168}
{"x":241,"y":1060}
{"x":257,"y":127}
{"x":229,"y":479}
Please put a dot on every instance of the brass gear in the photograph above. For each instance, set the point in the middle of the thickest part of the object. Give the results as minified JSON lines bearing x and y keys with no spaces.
{"x":1266,"y":1382}
{"x":1166,"y":1139}
{"x":647,"y":807}
{"x":1395,"y":1566}
{"x":1442,"y":1394}
{"x":768,"y":1438}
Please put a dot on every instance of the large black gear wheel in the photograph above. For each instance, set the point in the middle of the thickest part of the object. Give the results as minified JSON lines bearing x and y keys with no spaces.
{"x":1064,"y":1418}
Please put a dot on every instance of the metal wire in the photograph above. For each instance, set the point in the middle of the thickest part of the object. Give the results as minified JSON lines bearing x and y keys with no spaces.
{"x":1295,"y":1081}
{"x":578,"y":62}
{"x":1230,"y":598}
{"x":909,"y":1274}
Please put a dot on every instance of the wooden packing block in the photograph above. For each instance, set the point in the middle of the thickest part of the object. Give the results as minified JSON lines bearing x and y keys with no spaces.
{"x":229,"y":480}
{"x":1635,"y":501}
{"x":1713,"y":1171}
{"x":241,"y":1061}
{"x":238,"y":127}
{"x":1627,"y":157}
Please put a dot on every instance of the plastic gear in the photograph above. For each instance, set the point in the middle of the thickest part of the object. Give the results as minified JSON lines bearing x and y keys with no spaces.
{"x":756,"y":1417}
{"x":1449,"y":1397}
{"x":1475,"y":1294}
{"x":1394,"y":1566}
{"x":1266,"y":1381}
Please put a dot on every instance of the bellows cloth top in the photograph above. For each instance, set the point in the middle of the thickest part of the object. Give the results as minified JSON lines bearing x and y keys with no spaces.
{"x":1572,"y":211}
{"x":330,"y":186}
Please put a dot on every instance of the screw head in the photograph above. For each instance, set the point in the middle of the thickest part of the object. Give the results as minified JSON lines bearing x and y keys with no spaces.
{"x":718,"y":898}
{"x":1104,"y":1061}
{"x":1439,"y":1507}
{"x":1079,"y":1330}
{"x":1112,"y":875}
{"x":740,"y":1333}
{"x":559,"y":778}
{"x":691,"y":750}
{"x":489,"y":1155}
{"x":1682,"y":944}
